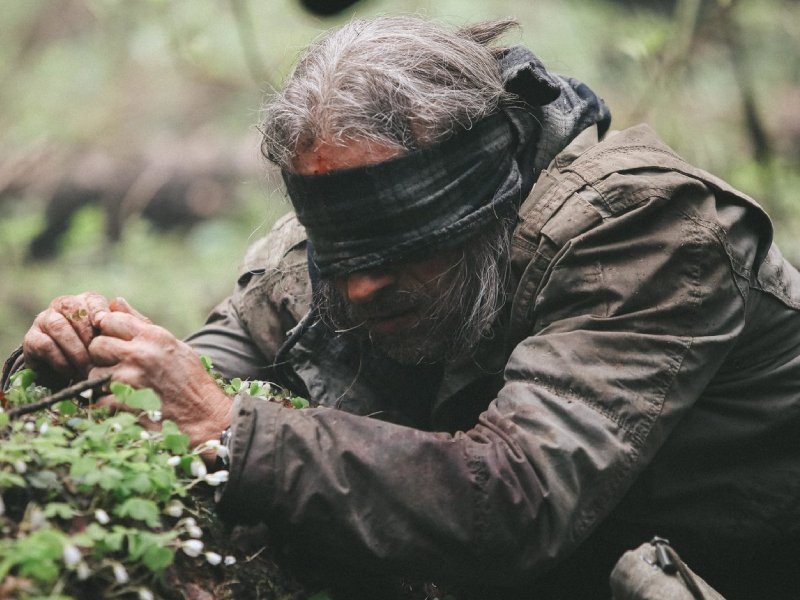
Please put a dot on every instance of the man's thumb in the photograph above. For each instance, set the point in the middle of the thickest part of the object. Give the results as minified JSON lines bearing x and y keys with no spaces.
{"x":119,"y":304}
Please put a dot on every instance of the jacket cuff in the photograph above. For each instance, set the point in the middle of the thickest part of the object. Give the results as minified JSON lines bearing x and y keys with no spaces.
{"x":251,"y":481}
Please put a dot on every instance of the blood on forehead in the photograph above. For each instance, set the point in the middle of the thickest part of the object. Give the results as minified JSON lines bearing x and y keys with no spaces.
{"x":320,"y":157}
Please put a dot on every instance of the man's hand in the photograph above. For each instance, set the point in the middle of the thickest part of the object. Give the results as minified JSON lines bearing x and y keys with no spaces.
{"x":57,"y":343}
{"x":141,"y":354}
{"x":58,"y":340}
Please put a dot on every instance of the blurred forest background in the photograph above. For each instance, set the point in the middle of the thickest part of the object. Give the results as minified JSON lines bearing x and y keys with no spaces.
{"x":129,"y":156}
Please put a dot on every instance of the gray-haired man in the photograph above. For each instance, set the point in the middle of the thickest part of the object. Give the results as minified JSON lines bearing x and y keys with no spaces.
{"x":532,"y":345}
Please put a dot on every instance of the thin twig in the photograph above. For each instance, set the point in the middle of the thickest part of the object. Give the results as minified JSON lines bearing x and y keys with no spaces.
{"x":253,"y":556}
{"x":65,"y":394}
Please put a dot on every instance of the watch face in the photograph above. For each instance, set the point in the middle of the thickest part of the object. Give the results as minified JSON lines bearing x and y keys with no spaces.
{"x":226,"y":435}
{"x":223,"y":456}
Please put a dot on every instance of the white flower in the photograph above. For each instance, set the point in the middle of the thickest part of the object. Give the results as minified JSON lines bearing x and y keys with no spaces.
{"x":212,"y":444}
{"x":192,"y":547}
{"x":37,"y":518}
{"x":120,"y":574}
{"x":213,"y":558}
{"x":43,"y":428}
{"x":198,"y":469}
{"x":190,"y":522}
{"x":83,"y":571}
{"x":194,"y":531}
{"x":71,"y":555}
{"x":230,"y":560}
{"x":29,"y":426}
{"x":86,"y":394}
{"x":222,"y":452}
{"x":116,"y":427}
{"x":154,"y":415}
{"x":174,"y":509}
{"x":174,"y":461}
{"x":20,"y":466}
{"x":143,"y":435}
{"x":145,"y":594}
{"x":101,"y":516}
{"x":216,"y":478}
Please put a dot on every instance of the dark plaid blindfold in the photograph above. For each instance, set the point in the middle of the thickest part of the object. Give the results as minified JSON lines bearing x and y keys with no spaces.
{"x":410,"y":206}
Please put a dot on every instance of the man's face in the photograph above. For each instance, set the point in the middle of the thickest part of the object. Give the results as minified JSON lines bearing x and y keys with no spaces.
{"x":398,"y":308}
{"x":394,"y":306}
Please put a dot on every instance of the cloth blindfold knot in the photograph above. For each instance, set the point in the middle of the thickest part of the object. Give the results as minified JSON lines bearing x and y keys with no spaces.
{"x":413,"y":205}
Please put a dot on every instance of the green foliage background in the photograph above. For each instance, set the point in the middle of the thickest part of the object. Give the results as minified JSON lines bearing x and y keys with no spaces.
{"x":114,"y":74}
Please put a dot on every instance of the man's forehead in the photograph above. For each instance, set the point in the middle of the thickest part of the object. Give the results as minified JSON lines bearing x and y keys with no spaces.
{"x":321,"y":156}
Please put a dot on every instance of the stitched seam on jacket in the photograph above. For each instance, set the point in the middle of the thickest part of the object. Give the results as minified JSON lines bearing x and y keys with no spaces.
{"x":595,"y":406}
{"x":589,"y":517}
{"x":476,"y":463}
{"x":779,"y":293}
{"x":722,"y":238}
{"x":590,"y":161}
{"x":779,"y":290}
{"x":590,"y":514}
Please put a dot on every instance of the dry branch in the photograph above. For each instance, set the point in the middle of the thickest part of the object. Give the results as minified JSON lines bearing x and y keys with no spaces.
{"x":65,"y":394}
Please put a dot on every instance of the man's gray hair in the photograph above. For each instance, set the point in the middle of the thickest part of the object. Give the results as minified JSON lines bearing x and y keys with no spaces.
{"x":399,"y":80}
{"x":407,"y":83}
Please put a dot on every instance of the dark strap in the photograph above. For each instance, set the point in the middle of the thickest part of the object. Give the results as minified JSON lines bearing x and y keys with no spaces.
{"x":669,"y":562}
{"x":10,"y":367}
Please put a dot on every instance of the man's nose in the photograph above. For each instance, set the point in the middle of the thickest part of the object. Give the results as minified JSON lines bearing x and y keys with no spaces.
{"x":363,"y":286}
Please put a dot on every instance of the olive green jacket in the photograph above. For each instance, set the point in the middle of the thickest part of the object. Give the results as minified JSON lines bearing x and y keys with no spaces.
{"x":644,"y":379}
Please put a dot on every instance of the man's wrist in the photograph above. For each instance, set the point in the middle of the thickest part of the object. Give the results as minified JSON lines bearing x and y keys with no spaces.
{"x":217,"y":421}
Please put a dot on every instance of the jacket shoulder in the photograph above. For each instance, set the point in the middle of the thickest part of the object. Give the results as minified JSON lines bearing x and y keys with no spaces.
{"x":615,"y":186}
{"x":593,"y":181}
{"x":268,"y":252}
{"x":273,"y":290}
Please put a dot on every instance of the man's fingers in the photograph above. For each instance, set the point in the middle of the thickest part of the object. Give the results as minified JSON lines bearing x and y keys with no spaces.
{"x":60,"y":330}
{"x":122,"y":325}
{"x":40,"y":348}
{"x":75,"y":311}
{"x":97,"y":305}
{"x":119,"y":304}
{"x":105,"y":351}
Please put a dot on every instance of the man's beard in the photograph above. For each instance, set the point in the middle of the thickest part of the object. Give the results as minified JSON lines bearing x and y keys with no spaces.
{"x":423,"y":341}
{"x":453,"y":312}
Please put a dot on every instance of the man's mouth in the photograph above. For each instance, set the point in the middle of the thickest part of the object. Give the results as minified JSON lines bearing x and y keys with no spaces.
{"x":392,"y":323}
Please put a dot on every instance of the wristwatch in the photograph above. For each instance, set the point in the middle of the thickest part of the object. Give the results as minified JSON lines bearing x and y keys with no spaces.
{"x":223,"y":458}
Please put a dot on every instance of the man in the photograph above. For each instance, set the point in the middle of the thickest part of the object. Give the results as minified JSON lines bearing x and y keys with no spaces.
{"x":544,"y":346}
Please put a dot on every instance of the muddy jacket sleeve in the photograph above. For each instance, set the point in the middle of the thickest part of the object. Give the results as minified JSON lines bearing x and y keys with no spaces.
{"x":632,"y":320}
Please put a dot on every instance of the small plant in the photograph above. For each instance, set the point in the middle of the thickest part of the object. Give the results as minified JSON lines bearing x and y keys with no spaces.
{"x":259,"y":389}
{"x":96,"y":505}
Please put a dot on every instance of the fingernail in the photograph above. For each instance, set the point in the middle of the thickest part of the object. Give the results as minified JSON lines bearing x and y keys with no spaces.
{"x":122,"y":300}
